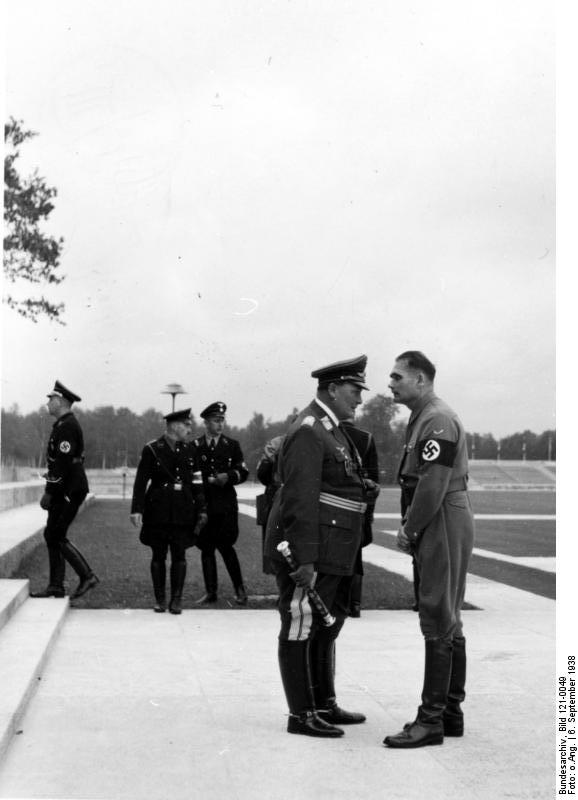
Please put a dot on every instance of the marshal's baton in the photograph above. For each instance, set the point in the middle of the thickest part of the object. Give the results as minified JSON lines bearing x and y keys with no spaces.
{"x":312,"y":594}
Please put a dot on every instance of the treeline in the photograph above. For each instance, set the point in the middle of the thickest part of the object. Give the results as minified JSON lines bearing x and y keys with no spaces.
{"x":115,"y":437}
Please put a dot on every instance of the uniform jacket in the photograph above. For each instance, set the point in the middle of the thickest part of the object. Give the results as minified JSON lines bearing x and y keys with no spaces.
{"x":365,"y":445}
{"x":226,"y":457}
{"x":168,"y":488}
{"x":434,"y":462}
{"x":65,"y":456}
{"x":317,"y":459}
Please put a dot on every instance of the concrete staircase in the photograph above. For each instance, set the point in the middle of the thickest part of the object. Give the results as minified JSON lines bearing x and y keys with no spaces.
{"x":28,"y":630}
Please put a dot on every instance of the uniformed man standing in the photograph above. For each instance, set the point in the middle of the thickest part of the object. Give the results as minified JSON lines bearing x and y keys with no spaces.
{"x":65,"y":491}
{"x":365,"y":445}
{"x":169,"y":503}
{"x":223,"y":467}
{"x":319,"y":511}
{"x":438,"y":529}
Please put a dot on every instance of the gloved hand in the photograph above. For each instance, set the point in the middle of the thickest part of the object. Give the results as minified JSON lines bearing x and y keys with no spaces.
{"x":136,"y":520}
{"x":219,"y":480}
{"x":372,"y":489}
{"x":201,"y":522}
{"x":404,"y":543}
{"x":45,"y":501}
{"x":303,"y":575}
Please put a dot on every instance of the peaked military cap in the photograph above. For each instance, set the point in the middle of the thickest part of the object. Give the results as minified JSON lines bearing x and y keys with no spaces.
{"x":60,"y":390}
{"x":178,"y":416}
{"x":214,"y":408}
{"x":350,"y":371}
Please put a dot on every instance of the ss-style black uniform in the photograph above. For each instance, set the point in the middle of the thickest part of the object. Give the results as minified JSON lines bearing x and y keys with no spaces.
{"x":438,"y":519}
{"x":222,"y":529}
{"x":319,"y":510}
{"x":65,"y":491}
{"x":168,"y":492}
{"x":365,"y":445}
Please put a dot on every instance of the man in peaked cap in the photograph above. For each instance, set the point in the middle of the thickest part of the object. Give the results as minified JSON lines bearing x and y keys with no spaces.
{"x":319,"y":510}
{"x":169,"y":503}
{"x":223,"y":467}
{"x":66,"y":488}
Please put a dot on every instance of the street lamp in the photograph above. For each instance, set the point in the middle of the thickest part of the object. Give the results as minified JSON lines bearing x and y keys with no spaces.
{"x":173,"y":389}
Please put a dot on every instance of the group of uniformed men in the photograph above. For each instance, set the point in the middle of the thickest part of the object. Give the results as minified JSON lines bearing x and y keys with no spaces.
{"x":326,"y":479}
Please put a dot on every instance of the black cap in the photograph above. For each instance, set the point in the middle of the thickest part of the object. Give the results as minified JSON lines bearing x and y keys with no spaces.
{"x":60,"y":390}
{"x":214,"y":408}
{"x":350,"y":371}
{"x":178,"y":416}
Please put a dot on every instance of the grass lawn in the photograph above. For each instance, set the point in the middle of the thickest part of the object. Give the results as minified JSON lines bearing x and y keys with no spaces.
{"x":110,"y":543}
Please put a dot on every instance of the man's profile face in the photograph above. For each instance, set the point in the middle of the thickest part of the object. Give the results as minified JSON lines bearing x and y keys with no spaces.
{"x":53,"y":405}
{"x":215,"y":424}
{"x":404,"y":383}
{"x":347,"y":398}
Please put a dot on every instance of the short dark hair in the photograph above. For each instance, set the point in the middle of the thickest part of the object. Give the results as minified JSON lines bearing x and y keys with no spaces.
{"x":417,"y":360}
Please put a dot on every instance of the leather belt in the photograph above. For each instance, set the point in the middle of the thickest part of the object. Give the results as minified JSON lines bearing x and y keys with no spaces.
{"x":455,"y":485}
{"x":177,"y":487}
{"x":342,"y":502}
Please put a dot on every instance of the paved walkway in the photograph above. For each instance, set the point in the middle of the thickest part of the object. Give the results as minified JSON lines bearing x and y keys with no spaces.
{"x":138,"y":705}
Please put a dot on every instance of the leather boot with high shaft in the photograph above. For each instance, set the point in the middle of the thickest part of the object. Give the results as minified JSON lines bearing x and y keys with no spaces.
{"x":428,"y":726}
{"x":56,"y":567}
{"x":178,"y":574}
{"x":79,"y":564}
{"x":159,"y":577}
{"x":296,"y":678}
{"x":453,"y":717}
{"x":322,"y":659}
{"x":209,"y":564}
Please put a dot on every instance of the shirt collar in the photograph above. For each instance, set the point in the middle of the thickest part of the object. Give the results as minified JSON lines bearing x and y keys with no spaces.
{"x":427,"y":398}
{"x":328,"y":411}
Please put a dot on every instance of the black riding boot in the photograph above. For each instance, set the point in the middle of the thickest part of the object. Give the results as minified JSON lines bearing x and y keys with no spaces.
{"x":56,"y":567}
{"x":428,"y":726}
{"x":159,"y":576}
{"x":178,"y":574}
{"x":296,"y":678}
{"x":453,"y":717}
{"x":322,"y":658}
{"x":355,"y":597}
{"x":79,"y":564}
{"x":209,"y":564}
{"x":231,"y":562}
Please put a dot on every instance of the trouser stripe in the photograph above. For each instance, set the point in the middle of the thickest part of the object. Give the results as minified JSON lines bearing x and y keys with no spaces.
{"x":301,"y":616}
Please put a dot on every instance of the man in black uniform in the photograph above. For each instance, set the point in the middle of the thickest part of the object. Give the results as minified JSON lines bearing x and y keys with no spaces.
{"x":365,"y":444}
{"x":168,"y":502}
{"x":222,"y":466}
{"x":66,"y":488}
{"x":319,"y":511}
{"x":438,"y":529}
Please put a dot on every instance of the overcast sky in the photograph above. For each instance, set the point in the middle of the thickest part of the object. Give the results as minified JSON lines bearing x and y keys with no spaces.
{"x":250,"y":190}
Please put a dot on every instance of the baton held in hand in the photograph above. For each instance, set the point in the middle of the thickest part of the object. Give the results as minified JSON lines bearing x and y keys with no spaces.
{"x":312,"y":594}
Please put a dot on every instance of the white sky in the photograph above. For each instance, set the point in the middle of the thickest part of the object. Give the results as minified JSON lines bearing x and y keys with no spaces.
{"x":250,"y":190}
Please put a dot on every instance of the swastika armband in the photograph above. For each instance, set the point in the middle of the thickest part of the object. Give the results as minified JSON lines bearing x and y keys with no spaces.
{"x":437,"y":451}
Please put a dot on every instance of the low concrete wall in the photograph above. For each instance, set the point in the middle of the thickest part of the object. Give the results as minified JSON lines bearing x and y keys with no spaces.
{"x":13,"y":495}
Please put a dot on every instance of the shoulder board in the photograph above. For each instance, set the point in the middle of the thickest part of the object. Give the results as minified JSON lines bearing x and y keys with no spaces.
{"x":310,"y":421}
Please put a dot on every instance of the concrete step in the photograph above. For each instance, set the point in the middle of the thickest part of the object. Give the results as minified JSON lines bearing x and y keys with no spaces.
{"x":25,"y":644}
{"x":12,"y":595}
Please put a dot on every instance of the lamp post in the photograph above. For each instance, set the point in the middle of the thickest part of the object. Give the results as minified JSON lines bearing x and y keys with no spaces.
{"x":173,"y":389}
{"x":499,"y":449}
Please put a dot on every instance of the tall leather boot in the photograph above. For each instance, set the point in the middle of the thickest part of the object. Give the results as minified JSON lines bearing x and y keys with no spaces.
{"x":231,"y":562}
{"x":79,"y":564}
{"x":209,"y":564}
{"x":355,"y":597}
{"x":322,"y":659}
{"x":178,"y":574}
{"x":428,"y":726}
{"x":453,"y":717}
{"x":159,"y":577}
{"x":296,"y":679}
{"x":56,"y":567}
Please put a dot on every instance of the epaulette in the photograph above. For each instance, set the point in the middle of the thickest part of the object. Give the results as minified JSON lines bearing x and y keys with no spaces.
{"x":310,"y":421}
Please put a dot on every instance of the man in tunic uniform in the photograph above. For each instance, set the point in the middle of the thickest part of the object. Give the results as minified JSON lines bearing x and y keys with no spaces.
{"x":438,"y":530}
{"x":223,"y":467}
{"x":319,"y":510}
{"x":168,"y":502}
{"x":65,"y":491}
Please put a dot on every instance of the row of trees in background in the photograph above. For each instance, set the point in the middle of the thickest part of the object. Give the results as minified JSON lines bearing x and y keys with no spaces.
{"x":115,"y":437}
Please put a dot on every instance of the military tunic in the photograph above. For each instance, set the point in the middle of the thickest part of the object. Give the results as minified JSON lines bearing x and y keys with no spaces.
{"x":222,"y":505}
{"x":437,"y":513}
{"x":319,"y":511}
{"x":66,"y":481}
{"x":168,"y":492}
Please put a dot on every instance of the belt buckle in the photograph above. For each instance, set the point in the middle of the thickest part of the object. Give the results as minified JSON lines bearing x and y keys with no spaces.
{"x":177,"y":487}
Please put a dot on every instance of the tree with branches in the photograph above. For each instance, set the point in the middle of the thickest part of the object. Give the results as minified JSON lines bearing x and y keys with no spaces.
{"x":30,"y":254}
